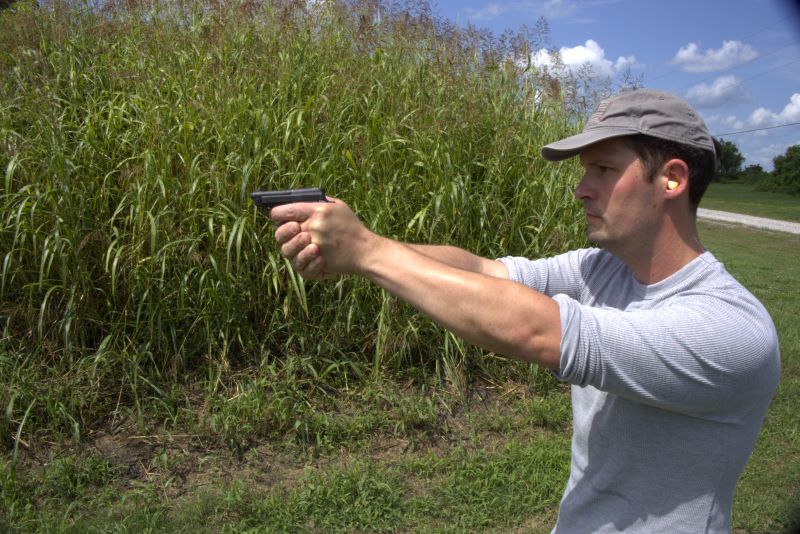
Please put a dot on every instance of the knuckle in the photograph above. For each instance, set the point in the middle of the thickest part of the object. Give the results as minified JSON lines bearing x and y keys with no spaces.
{"x":290,"y":212}
{"x":286,"y":231}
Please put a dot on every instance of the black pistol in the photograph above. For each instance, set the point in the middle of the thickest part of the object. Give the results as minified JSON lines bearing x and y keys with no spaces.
{"x":270,"y":199}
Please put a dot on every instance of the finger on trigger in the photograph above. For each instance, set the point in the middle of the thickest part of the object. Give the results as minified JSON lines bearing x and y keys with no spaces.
{"x":293,"y":247}
{"x":287,"y":231}
{"x":314,"y":269}
{"x":307,"y":255}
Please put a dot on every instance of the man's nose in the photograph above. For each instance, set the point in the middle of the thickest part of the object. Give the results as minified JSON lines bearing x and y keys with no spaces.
{"x":583,"y":190}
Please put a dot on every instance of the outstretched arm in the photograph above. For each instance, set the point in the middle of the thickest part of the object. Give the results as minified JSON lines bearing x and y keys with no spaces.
{"x":482,"y":307}
{"x":462,"y":259}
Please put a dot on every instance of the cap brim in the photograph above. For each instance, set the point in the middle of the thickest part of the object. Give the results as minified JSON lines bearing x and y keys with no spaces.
{"x":572,"y":146}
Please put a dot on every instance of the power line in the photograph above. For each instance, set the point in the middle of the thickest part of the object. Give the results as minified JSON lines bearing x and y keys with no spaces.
{"x":770,"y":70}
{"x":758,"y":129}
{"x":720,"y":73}
{"x":758,"y":75}
{"x":741,"y":64}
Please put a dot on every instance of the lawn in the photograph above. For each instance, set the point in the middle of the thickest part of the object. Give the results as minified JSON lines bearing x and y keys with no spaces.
{"x":743,"y":198}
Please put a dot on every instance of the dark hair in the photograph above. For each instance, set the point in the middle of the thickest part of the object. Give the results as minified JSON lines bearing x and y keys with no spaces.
{"x":655,"y":152}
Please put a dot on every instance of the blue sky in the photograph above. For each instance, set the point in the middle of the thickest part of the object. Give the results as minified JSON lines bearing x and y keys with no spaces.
{"x":736,"y":61}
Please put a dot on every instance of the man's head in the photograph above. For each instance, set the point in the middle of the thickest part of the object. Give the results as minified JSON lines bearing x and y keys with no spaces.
{"x":657,"y":126}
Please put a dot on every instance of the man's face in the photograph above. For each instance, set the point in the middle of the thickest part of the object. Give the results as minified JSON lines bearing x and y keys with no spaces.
{"x":621,"y":206}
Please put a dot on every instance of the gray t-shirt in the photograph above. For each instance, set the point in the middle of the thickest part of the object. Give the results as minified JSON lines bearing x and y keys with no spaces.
{"x":670,"y":384}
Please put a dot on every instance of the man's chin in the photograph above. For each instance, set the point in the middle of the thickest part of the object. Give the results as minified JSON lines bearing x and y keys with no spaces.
{"x":597,"y":238}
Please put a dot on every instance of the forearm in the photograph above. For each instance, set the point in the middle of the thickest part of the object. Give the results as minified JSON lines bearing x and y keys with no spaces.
{"x":461,"y":259}
{"x":487,"y":311}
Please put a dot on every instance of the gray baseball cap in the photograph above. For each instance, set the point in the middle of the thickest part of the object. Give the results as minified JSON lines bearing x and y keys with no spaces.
{"x":641,"y":111}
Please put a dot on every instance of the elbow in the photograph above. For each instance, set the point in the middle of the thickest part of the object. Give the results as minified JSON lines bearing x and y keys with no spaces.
{"x":541,"y":346}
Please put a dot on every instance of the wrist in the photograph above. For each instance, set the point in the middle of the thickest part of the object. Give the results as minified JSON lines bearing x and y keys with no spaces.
{"x":374,"y":251}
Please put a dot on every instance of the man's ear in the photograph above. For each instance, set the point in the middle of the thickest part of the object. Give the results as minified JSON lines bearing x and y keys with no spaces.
{"x":675,"y":177}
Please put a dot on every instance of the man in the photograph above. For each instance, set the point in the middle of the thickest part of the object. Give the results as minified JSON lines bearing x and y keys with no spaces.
{"x":672,"y":362}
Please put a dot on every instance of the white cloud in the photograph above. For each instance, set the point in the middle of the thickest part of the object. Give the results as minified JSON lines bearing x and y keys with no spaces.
{"x":550,"y":9}
{"x":731,"y":54}
{"x":763,"y":117}
{"x":735,"y":123}
{"x":487,"y":12}
{"x":554,"y":9}
{"x":723,"y":90}
{"x":590,"y":53}
{"x":626,"y":62}
{"x":723,"y":123}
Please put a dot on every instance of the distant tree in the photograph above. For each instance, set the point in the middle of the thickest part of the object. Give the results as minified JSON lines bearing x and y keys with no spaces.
{"x":753,"y":174}
{"x":730,"y":162}
{"x":786,"y":171}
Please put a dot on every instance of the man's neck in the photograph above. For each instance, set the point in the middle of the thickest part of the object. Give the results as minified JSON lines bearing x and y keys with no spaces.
{"x":663,"y":264}
{"x":669,"y":250}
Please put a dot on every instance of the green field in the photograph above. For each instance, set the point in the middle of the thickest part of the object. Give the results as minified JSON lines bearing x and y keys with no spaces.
{"x":163,"y":370}
{"x":743,"y":198}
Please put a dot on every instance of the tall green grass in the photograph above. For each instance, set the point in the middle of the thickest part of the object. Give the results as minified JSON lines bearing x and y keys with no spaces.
{"x":132,"y":258}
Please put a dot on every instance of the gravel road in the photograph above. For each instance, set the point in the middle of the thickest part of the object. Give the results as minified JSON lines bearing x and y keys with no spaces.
{"x":748,"y":220}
